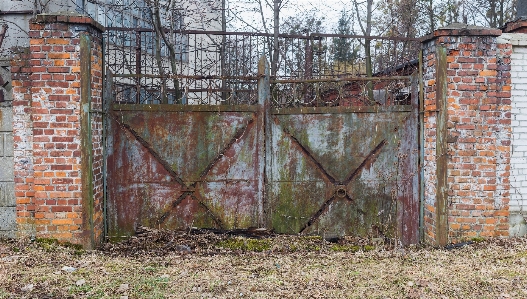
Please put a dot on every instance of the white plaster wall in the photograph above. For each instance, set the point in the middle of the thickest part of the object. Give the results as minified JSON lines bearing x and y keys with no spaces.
{"x":518,"y":203}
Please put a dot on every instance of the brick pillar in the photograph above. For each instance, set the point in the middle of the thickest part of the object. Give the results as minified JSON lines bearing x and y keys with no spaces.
{"x":467,"y":134}
{"x":58,"y":130}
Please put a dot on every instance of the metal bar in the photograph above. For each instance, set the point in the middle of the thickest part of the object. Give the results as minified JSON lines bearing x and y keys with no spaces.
{"x":264,"y":101}
{"x":312,"y":35}
{"x":342,"y":109}
{"x":106,"y":96}
{"x":185,"y":108}
{"x":410,"y":170}
{"x":308,"y":69}
{"x":441,"y":148}
{"x":341,"y":79}
{"x":138,"y":67}
{"x":86,"y":141}
{"x":421,"y":151}
{"x":246,"y":78}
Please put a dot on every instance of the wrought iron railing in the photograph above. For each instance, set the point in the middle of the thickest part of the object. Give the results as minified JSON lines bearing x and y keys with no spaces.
{"x":213,"y":67}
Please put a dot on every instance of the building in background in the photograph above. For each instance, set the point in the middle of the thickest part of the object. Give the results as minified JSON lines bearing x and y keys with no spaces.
{"x":142,"y":37}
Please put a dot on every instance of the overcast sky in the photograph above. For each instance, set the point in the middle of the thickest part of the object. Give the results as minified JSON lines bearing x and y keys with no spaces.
{"x":329,"y":9}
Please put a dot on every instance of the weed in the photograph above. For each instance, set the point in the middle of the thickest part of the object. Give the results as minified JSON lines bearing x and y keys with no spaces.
{"x":243,"y":244}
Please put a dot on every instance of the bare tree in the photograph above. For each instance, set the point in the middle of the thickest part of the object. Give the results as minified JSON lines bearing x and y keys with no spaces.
{"x":364,"y":11}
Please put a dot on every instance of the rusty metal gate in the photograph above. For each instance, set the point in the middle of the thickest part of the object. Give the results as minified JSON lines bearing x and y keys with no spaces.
{"x":185,"y":166}
{"x":351,"y":169}
{"x":7,"y":181}
{"x":345,"y":171}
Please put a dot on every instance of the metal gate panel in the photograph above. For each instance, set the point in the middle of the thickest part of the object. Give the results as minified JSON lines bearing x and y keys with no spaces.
{"x":7,"y":184}
{"x":331,"y":171}
{"x":180,"y":167}
{"x":340,"y":171}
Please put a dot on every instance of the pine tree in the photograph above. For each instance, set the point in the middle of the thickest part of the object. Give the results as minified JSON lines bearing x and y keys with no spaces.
{"x":343,"y":48}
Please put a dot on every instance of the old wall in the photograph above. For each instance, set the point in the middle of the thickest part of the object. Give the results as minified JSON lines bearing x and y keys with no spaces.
{"x":58,"y":130}
{"x":467,"y":134}
{"x":518,"y":202}
{"x":470,"y":127}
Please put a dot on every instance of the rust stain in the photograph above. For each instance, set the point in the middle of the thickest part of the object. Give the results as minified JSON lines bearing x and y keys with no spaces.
{"x":340,"y":187}
{"x":328,"y":169}
{"x":150,"y":149}
{"x":442,"y":148}
{"x":189,"y":201}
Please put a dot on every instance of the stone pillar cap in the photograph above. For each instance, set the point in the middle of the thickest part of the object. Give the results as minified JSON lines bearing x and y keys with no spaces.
{"x":460,"y":29}
{"x":72,"y":17}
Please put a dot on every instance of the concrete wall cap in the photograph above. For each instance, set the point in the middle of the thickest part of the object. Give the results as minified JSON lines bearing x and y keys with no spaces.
{"x":70,"y":17}
{"x":460,"y":29}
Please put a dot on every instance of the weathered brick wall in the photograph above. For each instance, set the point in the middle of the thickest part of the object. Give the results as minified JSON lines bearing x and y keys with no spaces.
{"x":477,"y":133}
{"x":429,"y":142}
{"x":96,"y":118}
{"x":23,"y":144}
{"x":50,"y":159}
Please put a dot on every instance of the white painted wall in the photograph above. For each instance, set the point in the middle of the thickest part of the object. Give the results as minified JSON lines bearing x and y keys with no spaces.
{"x":518,"y":203}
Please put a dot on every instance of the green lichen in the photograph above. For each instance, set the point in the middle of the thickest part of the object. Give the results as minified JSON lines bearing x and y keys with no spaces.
{"x":477,"y":239}
{"x":72,"y":246}
{"x":47,"y":241}
{"x":51,"y":244}
{"x":368,"y":247}
{"x":345,"y":248}
{"x":48,"y":244}
{"x":243,"y":244}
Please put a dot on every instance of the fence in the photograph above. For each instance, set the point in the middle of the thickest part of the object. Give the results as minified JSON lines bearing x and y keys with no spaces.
{"x":464,"y":143}
{"x":212,"y":67}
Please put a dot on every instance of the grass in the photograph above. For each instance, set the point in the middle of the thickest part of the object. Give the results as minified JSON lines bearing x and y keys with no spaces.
{"x":263,"y":268}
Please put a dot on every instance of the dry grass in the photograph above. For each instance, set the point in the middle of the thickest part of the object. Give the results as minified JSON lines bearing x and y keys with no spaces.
{"x":287,"y":267}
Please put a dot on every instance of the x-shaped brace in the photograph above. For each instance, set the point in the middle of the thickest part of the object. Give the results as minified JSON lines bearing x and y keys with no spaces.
{"x":189,"y":189}
{"x":339,"y":187}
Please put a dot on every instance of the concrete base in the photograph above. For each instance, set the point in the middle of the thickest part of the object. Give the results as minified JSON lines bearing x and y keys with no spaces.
{"x":518,"y":225}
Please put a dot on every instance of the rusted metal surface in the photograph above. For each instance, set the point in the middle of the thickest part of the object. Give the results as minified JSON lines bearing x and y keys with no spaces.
{"x":341,"y":79}
{"x":187,"y":108}
{"x":106,"y":103}
{"x":216,"y":67}
{"x":408,"y":174}
{"x":332,"y":171}
{"x":441,"y":148}
{"x":179,"y":169}
{"x":86,"y":143}
{"x":340,"y":174}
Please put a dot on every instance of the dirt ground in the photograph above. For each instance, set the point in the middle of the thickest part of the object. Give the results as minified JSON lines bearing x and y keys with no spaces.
{"x":158,"y":264}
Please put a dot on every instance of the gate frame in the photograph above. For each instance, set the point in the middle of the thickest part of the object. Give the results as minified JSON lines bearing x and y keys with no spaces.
{"x":264,"y":101}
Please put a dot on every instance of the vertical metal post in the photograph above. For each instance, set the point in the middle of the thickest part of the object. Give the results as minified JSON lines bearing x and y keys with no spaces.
{"x":107,"y":101}
{"x":222,"y":53}
{"x":421,"y":150}
{"x":409,"y":219}
{"x":441,"y":148}
{"x":86,"y":140}
{"x":264,"y":101}
{"x":308,"y":69}
{"x":138,"y":67}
